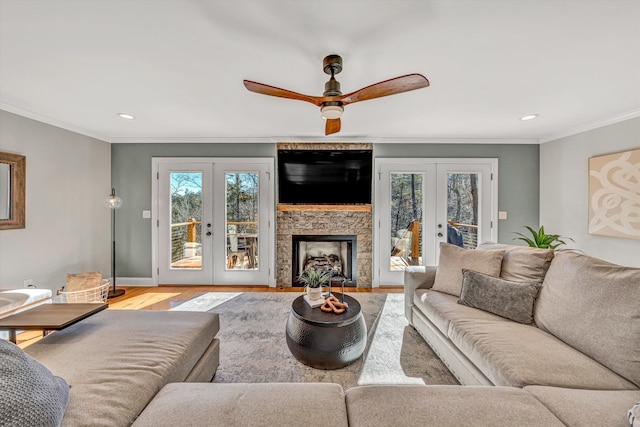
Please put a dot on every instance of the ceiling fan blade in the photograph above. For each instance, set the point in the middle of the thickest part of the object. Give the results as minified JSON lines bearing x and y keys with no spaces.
{"x":332,"y":126}
{"x":386,"y":88}
{"x":281,"y":93}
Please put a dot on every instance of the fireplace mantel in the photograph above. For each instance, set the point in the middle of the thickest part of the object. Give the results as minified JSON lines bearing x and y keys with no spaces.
{"x":345,"y":208}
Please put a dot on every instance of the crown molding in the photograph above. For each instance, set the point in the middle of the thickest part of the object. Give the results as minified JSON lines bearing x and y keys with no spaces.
{"x":190,"y":140}
{"x":418,"y":140}
{"x":51,"y":121}
{"x":592,"y":125}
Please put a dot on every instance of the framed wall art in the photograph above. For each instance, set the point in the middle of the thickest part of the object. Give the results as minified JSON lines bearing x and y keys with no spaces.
{"x":614,"y":194}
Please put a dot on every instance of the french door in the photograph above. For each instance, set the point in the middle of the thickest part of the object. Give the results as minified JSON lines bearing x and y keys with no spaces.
{"x":422,"y":202}
{"x":213,"y":221}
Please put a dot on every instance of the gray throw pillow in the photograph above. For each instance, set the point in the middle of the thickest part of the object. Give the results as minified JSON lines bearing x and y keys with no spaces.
{"x":513,"y":300}
{"x":30,"y":394}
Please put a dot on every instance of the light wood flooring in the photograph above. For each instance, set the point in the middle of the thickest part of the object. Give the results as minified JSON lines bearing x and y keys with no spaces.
{"x":167,"y":297}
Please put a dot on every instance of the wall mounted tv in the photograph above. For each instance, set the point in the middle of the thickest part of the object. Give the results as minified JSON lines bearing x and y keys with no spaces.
{"x":325,"y":176}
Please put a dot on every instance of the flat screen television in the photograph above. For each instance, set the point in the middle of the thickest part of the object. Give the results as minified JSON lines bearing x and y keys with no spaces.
{"x":325,"y":176}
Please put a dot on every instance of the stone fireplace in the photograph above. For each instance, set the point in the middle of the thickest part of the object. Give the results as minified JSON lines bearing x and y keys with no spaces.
{"x":343,"y":228}
{"x":316,"y":220}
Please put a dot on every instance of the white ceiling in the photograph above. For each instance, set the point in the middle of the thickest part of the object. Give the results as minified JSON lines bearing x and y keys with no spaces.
{"x":178,"y":66}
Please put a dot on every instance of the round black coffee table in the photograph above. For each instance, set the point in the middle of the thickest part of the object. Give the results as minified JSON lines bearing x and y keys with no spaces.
{"x":326,"y":340}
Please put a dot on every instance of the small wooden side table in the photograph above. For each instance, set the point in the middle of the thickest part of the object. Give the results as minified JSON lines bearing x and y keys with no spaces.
{"x":49,"y":317}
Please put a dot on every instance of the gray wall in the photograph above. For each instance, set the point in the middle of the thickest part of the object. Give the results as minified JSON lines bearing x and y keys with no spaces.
{"x":564,"y":187}
{"x":131,"y":172}
{"x":67,"y":228}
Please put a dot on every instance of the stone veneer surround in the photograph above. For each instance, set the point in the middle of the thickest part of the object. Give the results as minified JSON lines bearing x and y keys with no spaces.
{"x":316,"y":221}
{"x":324,"y":220}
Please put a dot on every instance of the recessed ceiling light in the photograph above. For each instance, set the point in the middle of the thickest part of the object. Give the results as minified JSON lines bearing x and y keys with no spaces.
{"x":126,"y":116}
{"x":529,"y":117}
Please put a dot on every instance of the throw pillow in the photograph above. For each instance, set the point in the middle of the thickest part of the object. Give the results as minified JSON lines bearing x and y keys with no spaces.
{"x":453,"y":259}
{"x":522,"y":263}
{"x":513,"y":300}
{"x":83,"y":281}
{"x":30,"y":394}
{"x":634,"y":415}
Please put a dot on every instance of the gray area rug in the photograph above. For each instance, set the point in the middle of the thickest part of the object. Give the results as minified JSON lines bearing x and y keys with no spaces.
{"x":253,"y":346}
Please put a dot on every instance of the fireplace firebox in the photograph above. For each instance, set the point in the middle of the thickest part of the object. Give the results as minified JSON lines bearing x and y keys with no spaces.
{"x":333,"y":253}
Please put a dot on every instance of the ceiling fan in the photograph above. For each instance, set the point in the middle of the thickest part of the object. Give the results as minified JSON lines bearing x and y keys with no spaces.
{"x":332,"y":101}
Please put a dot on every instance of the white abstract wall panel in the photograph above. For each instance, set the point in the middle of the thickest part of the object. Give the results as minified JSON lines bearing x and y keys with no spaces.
{"x":614,"y":195}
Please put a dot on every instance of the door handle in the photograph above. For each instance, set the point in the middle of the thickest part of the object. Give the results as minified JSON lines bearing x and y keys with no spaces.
{"x":439,"y":234}
{"x":208,"y":233}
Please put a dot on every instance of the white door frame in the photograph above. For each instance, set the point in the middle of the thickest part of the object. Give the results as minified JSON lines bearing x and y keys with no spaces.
{"x":268,"y":258}
{"x":430,"y":166}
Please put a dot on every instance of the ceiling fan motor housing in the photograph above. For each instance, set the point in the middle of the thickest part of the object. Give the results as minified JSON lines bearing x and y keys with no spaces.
{"x":332,"y":64}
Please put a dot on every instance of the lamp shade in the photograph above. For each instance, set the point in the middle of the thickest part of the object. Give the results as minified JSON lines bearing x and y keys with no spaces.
{"x":113,"y":201}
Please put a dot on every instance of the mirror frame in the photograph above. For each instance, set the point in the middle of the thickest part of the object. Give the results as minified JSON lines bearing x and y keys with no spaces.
{"x":18,"y":167}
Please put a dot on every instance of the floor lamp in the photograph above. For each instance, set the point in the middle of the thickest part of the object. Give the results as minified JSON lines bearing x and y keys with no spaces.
{"x":114,"y":202}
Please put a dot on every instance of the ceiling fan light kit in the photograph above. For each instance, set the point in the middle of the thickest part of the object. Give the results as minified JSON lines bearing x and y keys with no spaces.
{"x":332,"y":101}
{"x":331,"y":111}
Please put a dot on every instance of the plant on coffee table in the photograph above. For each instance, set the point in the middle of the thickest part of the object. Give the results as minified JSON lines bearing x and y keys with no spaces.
{"x":314,"y":279}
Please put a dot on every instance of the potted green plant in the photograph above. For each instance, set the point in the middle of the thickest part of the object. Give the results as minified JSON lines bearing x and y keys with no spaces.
{"x":314,"y":279}
{"x":540,"y":239}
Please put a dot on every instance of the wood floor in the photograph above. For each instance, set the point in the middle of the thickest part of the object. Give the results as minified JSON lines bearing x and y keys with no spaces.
{"x":167,"y":297}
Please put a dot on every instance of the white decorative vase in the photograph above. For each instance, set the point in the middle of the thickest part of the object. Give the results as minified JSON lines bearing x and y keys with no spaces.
{"x":314,"y":293}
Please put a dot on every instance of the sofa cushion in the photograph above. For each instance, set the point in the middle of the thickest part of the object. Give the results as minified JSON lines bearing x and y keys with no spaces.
{"x":419,"y":405}
{"x":453,"y":259}
{"x":512,"y":300}
{"x":576,"y":407}
{"x":209,"y":404}
{"x":441,"y":308}
{"x":30,"y":394}
{"x":117,"y":360}
{"x":522,"y":263}
{"x":593,"y":306}
{"x":517,"y":355}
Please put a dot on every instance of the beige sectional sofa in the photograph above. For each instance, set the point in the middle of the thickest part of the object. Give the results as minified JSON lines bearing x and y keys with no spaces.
{"x":577,"y":362}
{"x":571,"y":357}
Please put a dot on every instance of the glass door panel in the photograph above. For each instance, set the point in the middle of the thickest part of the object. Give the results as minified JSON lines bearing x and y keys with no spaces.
{"x":186,"y":220}
{"x":467,"y":203}
{"x":242,"y":220}
{"x":405,"y":220}
{"x":462,"y":209}
{"x":184,"y":223}
{"x":405,"y":216}
{"x":241,"y":223}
